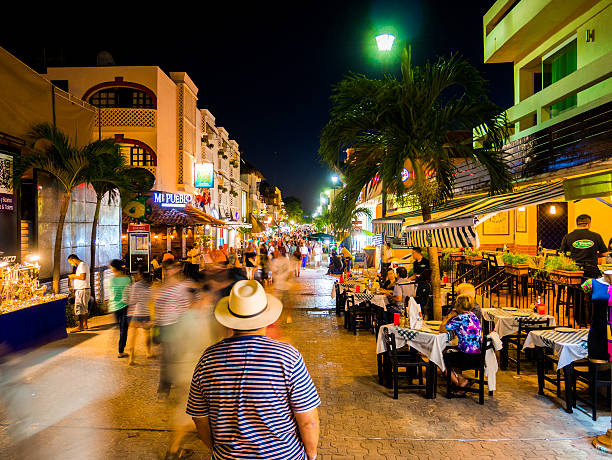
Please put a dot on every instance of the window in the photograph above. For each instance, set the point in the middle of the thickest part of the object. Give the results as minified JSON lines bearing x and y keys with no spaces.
{"x":140,"y":157}
{"x":556,"y":66}
{"x":122,"y":97}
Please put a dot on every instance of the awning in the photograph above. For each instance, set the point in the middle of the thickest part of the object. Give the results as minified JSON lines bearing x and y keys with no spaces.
{"x":458,"y":229}
{"x":159,"y":215}
{"x":389,"y":225}
{"x":257,"y":226}
{"x":591,"y":186}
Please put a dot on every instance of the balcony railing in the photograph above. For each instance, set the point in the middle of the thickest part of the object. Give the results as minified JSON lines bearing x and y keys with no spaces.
{"x":125,"y":117}
{"x":568,"y":147}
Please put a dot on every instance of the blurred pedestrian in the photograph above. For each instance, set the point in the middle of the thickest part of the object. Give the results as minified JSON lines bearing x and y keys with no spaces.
{"x":82,"y":291}
{"x":296,"y":259}
{"x":172,"y":300}
{"x":250,"y":261}
{"x":139,"y":317}
{"x":168,"y":256}
{"x":251,"y":396}
{"x":115,"y":287}
{"x":193,"y":261}
{"x":156,"y":268}
{"x":304,"y":254}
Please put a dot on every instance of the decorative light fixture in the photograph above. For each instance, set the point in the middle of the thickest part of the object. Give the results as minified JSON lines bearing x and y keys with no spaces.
{"x":553,"y":209}
{"x":385,"y":42}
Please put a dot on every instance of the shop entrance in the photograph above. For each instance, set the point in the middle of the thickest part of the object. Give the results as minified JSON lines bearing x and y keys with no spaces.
{"x":552,"y":224}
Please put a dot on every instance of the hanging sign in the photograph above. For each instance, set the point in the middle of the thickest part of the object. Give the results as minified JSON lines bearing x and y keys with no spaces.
{"x":171,"y":200}
{"x":139,"y":228}
{"x":203,"y":175}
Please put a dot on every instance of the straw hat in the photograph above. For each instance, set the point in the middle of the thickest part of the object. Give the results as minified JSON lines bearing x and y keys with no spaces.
{"x":248,"y":307}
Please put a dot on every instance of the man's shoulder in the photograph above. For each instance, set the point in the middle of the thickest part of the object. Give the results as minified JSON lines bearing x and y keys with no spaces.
{"x":259,"y":344}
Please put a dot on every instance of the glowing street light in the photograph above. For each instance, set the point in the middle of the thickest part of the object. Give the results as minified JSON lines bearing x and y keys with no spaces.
{"x":334,"y":179}
{"x":385,"y":42}
{"x":323,"y":200}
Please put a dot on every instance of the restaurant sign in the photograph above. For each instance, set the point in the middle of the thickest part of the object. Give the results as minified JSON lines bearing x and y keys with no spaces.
{"x":171,"y":200}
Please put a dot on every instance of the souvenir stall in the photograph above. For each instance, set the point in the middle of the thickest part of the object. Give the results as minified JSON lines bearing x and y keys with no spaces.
{"x":29,"y":316}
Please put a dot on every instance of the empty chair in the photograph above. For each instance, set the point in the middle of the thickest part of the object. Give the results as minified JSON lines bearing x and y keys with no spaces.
{"x":596,"y":374}
{"x":526,"y":325}
{"x":412,"y":364}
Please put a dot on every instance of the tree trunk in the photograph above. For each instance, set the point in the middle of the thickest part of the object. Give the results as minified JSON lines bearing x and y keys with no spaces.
{"x":94,"y":234}
{"x":57,"y":250}
{"x":432,"y":252}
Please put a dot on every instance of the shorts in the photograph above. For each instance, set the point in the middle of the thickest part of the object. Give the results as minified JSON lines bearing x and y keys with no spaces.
{"x":81,"y":301}
{"x":140,"y":319}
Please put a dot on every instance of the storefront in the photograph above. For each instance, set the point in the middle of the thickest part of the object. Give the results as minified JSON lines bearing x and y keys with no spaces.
{"x":175,"y":224}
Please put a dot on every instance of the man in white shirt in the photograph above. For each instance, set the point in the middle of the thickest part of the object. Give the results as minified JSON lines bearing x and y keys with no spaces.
{"x":82,"y":291}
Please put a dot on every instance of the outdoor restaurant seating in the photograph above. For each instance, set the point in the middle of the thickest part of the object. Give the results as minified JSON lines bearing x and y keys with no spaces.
{"x":349,"y":304}
{"x":479,"y":377}
{"x":359,"y":316}
{"x":596,"y":374}
{"x":526,"y":325}
{"x":340,"y":299}
{"x":412,"y":363}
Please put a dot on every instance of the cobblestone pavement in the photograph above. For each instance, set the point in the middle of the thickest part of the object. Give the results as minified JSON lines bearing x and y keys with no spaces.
{"x":74,"y":399}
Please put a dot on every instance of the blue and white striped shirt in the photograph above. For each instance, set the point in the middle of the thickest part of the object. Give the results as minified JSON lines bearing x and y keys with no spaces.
{"x":249,"y":387}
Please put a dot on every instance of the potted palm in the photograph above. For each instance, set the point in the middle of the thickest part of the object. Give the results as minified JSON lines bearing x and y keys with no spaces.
{"x":516,"y":264}
{"x":473,"y":256}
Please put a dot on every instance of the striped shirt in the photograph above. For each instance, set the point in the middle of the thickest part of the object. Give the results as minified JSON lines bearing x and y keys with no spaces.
{"x":250,"y":387}
{"x":138,"y":297}
{"x":171,"y":302}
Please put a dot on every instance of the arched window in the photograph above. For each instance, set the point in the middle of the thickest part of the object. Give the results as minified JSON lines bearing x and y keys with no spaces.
{"x":122,"y":97}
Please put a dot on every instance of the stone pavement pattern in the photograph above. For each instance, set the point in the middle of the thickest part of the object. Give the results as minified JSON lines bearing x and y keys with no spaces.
{"x":74,"y":399}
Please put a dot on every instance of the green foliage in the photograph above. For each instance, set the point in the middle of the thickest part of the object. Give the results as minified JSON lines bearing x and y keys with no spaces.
{"x":472,"y":252}
{"x":294,"y":209}
{"x":514,"y":259}
{"x":446,"y":253}
{"x":561,"y":263}
{"x":392,"y":122}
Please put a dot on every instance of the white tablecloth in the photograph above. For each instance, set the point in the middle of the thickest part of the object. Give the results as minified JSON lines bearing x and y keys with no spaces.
{"x":568,"y":346}
{"x":507,"y":322}
{"x":430,"y":344}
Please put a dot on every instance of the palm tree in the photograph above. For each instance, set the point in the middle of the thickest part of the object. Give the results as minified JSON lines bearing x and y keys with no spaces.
{"x":107,"y":175}
{"x":53,"y":152}
{"x":393,"y":122}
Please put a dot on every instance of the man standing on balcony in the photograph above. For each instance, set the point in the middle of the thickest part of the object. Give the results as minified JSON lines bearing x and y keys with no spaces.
{"x":584,"y":246}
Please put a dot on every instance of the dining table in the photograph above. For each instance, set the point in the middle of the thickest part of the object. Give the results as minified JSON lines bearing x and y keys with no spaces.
{"x":569,"y":345}
{"x":506,"y":320}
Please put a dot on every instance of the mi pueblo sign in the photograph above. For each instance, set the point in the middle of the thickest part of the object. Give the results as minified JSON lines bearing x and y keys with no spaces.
{"x":172,"y":200}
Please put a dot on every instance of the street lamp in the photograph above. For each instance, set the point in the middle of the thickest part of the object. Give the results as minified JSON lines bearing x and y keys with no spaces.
{"x":385,"y":42}
{"x":323,"y":200}
{"x":334,"y":179}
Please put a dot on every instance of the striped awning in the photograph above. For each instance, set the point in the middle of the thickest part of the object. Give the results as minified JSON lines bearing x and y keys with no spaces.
{"x":387,"y":226}
{"x":458,"y":228}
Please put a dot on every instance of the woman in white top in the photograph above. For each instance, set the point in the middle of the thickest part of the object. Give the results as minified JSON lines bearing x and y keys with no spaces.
{"x":317,"y":254}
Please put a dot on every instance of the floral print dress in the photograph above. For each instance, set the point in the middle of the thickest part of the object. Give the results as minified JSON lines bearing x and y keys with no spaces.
{"x":468,"y":330}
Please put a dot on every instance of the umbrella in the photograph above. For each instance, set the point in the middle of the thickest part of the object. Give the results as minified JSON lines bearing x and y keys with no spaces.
{"x":320,"y":236}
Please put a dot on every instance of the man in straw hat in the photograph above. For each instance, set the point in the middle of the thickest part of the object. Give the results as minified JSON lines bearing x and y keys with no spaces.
{"x":251,"y":396}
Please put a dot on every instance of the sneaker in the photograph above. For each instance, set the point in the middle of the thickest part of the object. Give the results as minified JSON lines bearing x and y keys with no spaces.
{"x":123,"y":355}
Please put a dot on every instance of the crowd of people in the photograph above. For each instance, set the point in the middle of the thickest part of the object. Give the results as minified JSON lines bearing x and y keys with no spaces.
{"x":174,"y":310}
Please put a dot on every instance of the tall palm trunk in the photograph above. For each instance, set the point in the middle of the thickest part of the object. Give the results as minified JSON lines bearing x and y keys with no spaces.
{"x":57,"y":250}
{"x":432,"y":252}
{"x":92,"y":253}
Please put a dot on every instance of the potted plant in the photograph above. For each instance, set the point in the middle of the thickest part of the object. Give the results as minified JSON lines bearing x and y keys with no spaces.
{"x":516,"y":264}
{"x":564,"y":270}
{"x":451,"y":253}
{"x":473,"y":256}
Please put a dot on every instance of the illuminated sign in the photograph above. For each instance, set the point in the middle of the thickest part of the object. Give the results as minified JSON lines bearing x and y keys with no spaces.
{"x":405,"y":175}
{"x":203,"y":175}
{"x":171,"y":200}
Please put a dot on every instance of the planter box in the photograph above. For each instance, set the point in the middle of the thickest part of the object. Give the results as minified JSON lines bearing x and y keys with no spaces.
{"x":566,"y":276}
{"x":456,"y":256}
{"x":520,"y":269}
{"x":474,"y":260}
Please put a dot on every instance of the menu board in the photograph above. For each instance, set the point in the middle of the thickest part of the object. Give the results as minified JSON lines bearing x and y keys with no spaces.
{"x":8,"y":210}
{"x":140,"y":244}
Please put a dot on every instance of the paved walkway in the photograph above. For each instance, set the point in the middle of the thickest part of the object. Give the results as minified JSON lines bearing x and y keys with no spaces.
{"x":74,"y":399}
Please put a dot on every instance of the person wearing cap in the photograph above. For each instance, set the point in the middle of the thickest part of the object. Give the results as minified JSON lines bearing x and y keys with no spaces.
{"x":584,"y":246}
{"x":251,"y":396}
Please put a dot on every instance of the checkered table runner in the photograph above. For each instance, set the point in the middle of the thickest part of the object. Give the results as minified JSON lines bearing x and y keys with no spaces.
{"x":552,"y":337}
{"x":362,"y":296}
{"x":411,"y":334}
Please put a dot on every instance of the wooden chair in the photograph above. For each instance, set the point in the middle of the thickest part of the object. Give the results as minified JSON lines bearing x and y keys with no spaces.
{"x":479,"y":378}
{"x":410,"y":361}
{"x":595,"y":373}
{"x":360,"y":317}
{"x":340,"y":299}
{"x":349,"y":303}
{"x":526,"y":325}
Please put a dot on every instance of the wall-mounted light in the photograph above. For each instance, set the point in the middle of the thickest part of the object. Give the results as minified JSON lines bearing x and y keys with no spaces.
{"x":553,"y":209}
{"x":522,"y":209}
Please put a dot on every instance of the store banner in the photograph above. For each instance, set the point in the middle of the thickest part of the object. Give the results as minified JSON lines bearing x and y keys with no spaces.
{"x":9,"y":246}
{"x":203,"y":175}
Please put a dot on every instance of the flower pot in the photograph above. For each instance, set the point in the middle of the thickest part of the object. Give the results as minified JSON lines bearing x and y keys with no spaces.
{"x":567,"y":276}
{"x":474,"y":260}
{"x":519,"y":269}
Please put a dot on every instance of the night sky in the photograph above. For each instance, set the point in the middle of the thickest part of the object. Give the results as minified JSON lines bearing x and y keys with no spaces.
{"x":265,"y":71}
